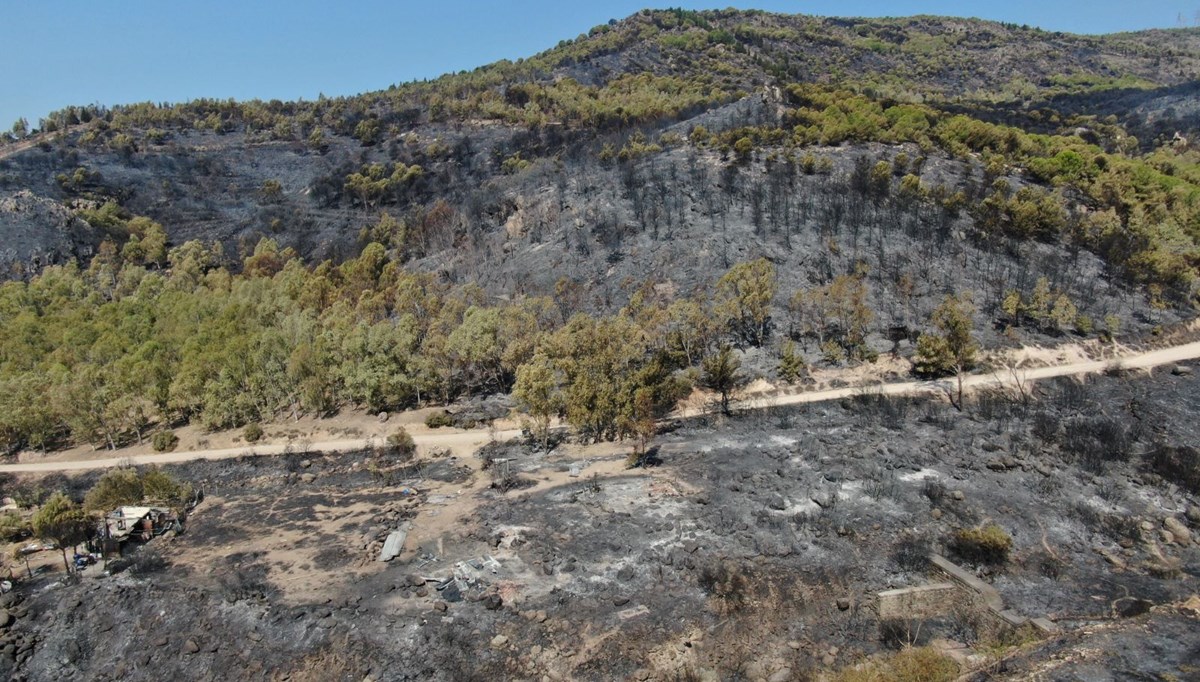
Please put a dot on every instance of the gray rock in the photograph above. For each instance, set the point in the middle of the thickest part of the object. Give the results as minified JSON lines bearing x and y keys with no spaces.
{"x":191,"y":647}
{"x":1193,"y":514}
{"x":499,"y":641}
{"x":308,"y":478}
{"x":1181,"y":371}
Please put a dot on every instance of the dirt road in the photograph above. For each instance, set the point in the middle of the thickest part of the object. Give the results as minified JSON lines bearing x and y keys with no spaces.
{"x":1016,"y":379}
{"x":18,"y":147}
{"x":454,"y":441}
{"x":466,"y":440}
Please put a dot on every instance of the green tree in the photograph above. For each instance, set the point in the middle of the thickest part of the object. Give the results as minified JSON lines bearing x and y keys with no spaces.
{"x":160,"y":488}
{"x":1038,"y":305}
{"x":791,"y":363}
{"x":1063,"y":314}
{"x":722,"y":373}
{"x":367,"y":131}
{"x":538,"y":390}
{"x":1012,"y":306}
{"x":61,"y":522}
{"x":745,"y":293}
{"x":116,"y":488}
{"x":951,"y":349}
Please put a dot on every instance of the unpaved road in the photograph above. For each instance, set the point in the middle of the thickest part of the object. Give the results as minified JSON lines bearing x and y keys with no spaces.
{"x":1015,"y":379}
{"x":17,"y":147}
{"x":455,"y":440}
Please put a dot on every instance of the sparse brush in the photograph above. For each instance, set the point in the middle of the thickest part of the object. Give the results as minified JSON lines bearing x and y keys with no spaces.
{"x":911,"y":552}
{"x":727,"y":584}
{"x":986,"y":544}
{"x":1179,"y":465}
{"x":934,"y":490}
{"x":913,"y":664}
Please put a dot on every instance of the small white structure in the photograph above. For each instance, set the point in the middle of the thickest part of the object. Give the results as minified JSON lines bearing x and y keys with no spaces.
{"x":137,"y":523}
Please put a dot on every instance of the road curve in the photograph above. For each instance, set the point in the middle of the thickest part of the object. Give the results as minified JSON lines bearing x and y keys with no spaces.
{"x":1149,"y":359}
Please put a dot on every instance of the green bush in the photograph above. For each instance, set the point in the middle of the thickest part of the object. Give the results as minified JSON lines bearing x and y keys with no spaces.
{"x":13,"y":527}
{"x":986,"y":544}
{"x":164,"y":441}
{"x":401,"y":443}
{"x":437,"y":420}
{"x":252,"y":433}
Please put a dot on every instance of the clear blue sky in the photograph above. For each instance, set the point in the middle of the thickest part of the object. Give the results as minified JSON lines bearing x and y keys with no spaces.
{"x":74,"y":52}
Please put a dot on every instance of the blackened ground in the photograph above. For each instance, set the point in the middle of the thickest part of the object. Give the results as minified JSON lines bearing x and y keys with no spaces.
{"x":753,"y":551}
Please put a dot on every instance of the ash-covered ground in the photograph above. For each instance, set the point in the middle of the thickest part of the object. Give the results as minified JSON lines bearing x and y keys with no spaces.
{"x":751,"y":548}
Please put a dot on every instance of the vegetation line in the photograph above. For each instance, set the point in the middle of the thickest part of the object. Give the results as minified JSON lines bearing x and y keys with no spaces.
{"x":1145,"y":360}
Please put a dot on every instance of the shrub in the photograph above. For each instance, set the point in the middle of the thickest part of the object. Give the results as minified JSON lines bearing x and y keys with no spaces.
{"x":987,"y":544}
{"x":913,"y":664}
{"x":1045,"y":427}
{"x":13,"y":527}
{"x":252,"y":433}
{"x":437,"y":420}
{"x":165,"y":441}
{"x":1178,"y":465}
{"x":1096,"y":442}
{"x":935,"y":490}
{"x":401,"y":444}
{"x":727,"y":584}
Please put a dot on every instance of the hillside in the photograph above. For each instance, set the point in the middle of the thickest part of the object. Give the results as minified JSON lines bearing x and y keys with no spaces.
{"x":717,"y":177}
{"x":763,"y":305}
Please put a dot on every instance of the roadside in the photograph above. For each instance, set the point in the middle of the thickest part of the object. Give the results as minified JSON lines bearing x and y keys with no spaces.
{"x":364,"y":434}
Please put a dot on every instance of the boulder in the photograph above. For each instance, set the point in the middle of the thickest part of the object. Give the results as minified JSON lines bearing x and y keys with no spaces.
{"x":499,"y":641}
{"x":1181,"y":371}
{"x":1193,"y":514}
{"x":191,"y":647}
{"x":308,"y":478}
{"x":1180,"y":532}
